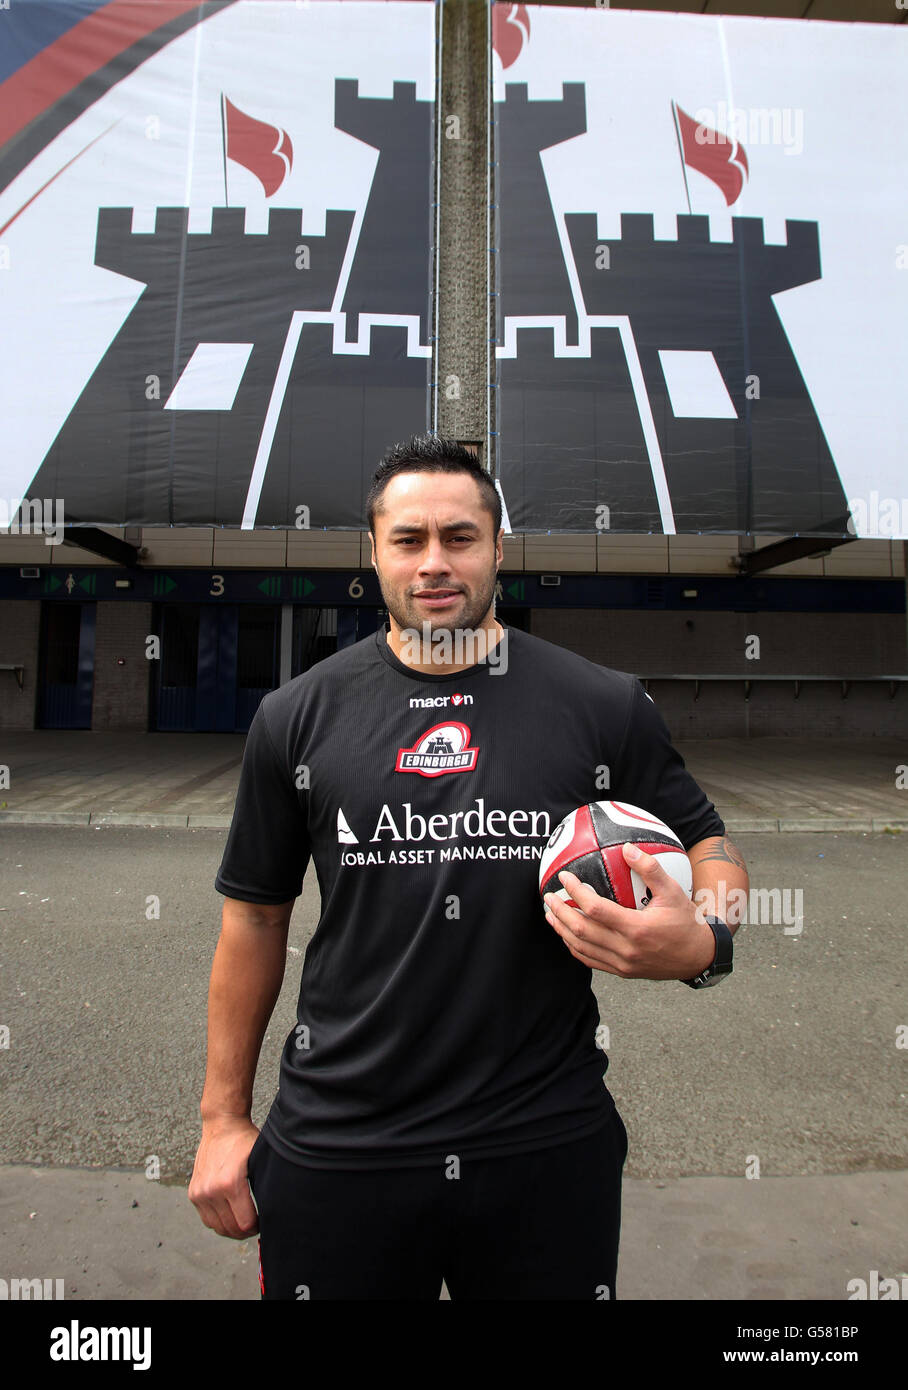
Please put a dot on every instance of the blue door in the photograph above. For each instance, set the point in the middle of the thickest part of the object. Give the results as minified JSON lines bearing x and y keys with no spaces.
{"x":177,"y":670}
{"x":66,"y":665}
{"x":217,"y":663}
{"x":257,"y":649}
{"x":353,"y":624}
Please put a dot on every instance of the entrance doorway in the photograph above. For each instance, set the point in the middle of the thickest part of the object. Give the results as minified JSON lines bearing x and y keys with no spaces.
{"x":66,"y":665}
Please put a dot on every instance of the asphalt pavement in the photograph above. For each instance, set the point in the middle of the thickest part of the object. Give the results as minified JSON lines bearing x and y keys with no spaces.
{"x":792,"y":1070}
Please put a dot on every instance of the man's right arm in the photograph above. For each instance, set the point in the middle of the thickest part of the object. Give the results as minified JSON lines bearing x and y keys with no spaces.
{"x":246,"y":978}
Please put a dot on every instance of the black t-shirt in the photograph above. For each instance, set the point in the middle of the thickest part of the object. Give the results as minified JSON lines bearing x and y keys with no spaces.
{"x":439,"y":1012}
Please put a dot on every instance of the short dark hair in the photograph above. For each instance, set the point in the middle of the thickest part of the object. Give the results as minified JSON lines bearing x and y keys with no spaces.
{"x":432,"y":453}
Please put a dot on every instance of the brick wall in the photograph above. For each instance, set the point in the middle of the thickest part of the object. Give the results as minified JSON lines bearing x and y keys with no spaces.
{"x":20,"y":626}
{"x":804,"y":643}
{"x":860,"y":644}
{"x":656,"y":641}
{"x":721,"y":711}
{"x":121,"y":692}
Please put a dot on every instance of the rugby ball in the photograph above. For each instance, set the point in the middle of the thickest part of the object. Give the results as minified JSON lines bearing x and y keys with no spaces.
{"x":588,"y":843}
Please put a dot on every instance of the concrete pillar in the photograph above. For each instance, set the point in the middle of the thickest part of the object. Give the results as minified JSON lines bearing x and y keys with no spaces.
{"x":121,"y":693}
{"x":462,"y":349}
{"x":286,"y":659}
{"x":19,"y":632}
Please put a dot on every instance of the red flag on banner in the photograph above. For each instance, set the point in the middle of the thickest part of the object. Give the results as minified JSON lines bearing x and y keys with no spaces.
{"x":264,"y":149}
{"x":718,"y":156}
{"x":510,"y":31}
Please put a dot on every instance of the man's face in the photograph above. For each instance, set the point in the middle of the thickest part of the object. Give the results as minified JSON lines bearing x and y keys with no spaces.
{"x":434,"y":552}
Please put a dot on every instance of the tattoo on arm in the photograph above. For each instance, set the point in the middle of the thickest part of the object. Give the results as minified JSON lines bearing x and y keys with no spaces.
{"x":722,"y":850}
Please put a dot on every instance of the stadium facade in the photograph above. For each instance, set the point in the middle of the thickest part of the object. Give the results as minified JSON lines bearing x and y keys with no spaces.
{"x":637,"y":309}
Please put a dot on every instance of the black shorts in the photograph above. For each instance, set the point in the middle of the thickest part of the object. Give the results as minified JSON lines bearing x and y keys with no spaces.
{"x":540,"y":1225}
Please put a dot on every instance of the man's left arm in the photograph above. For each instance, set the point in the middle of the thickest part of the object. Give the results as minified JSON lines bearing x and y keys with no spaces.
{"x":720,"y":881}
{"x":668,"y":940}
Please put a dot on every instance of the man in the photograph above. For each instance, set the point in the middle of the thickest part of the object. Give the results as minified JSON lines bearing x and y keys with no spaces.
{"x":441,"y":1111}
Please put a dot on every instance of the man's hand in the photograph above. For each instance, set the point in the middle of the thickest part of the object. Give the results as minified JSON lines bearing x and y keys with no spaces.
{"x":218,"y":1187}
{"x":664,"y":941}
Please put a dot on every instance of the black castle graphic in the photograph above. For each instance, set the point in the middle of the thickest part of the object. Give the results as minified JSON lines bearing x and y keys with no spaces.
{"x":438,"y":745}
{"x":122,"y":454}
{"x":571,"y":435}
{"x":579,"y":427}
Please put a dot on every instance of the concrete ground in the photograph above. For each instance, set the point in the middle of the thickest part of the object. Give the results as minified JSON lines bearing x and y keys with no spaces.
{"x":794,"y":1062}
{"x":762,"y":784}
{"x":112,"y":1234}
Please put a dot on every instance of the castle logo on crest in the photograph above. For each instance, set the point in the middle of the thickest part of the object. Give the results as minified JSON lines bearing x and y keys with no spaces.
{"x":443,"y":748}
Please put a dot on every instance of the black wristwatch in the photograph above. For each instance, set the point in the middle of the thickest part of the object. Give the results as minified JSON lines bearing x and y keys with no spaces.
{"x":722,"y":961}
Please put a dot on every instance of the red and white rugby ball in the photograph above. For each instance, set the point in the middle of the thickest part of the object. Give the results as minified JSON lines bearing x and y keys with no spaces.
{"x":588,"y":843}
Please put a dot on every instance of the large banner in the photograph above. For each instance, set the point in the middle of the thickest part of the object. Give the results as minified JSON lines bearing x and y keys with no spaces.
{"x":215,"y":255}
{"x":703,"y":273}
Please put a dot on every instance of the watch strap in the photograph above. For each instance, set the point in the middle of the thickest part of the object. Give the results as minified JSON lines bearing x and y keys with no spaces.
{"x":722,"y":961}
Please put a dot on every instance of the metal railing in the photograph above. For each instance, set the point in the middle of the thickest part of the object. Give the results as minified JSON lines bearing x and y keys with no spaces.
{"x":19,"y":670}
{"x":844,"y":681}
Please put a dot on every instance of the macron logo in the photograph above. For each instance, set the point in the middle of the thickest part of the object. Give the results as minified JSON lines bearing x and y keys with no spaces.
{"x":439,"y":701}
